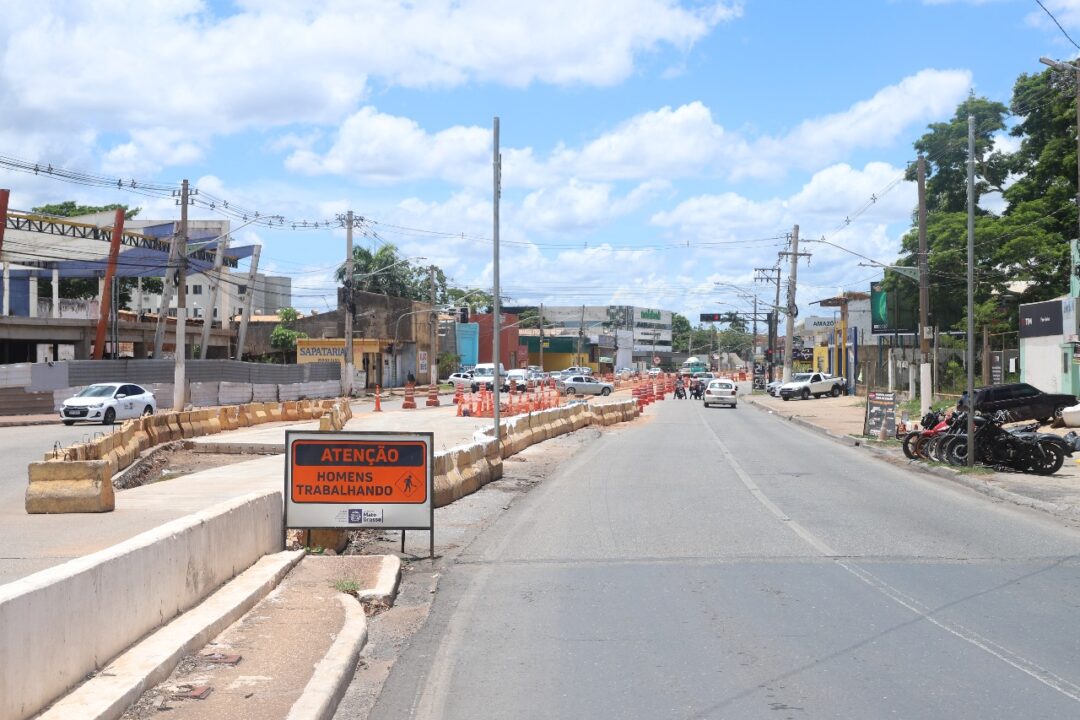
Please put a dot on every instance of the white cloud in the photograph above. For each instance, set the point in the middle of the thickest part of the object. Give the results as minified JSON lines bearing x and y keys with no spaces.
{"x":150,"y":150}
{"x":577,"y":205}
{"x":664,"y":144}
{"x":377,"y":148}
{"x":147,"y":64}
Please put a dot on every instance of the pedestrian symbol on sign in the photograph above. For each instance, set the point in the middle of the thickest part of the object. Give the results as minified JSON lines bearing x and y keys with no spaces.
{"x":407,"y":483}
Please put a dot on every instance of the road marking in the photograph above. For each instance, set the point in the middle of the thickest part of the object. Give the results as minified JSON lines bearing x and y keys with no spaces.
{"x":1032,"y":669}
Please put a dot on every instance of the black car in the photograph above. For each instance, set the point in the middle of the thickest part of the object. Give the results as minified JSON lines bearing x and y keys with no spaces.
{"x":1022,"y":402}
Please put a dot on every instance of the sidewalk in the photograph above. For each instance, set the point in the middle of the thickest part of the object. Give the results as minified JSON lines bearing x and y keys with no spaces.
{"x":841,"y":419}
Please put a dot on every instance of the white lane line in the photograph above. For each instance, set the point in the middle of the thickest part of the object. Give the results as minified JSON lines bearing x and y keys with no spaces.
{"x":1028,"y":667}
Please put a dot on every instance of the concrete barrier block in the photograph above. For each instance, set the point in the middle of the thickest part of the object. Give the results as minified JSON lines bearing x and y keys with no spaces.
{"x":289,"y":411}
{"x":303,"y":409}
{"x":326,"y":424}
{"x":213,"y":422}
{"x":494,"y":462}
{"x":175,"y":426}
{"x":258,"y":414}
{"x":273,"y":410}
{"x":70,"y":487}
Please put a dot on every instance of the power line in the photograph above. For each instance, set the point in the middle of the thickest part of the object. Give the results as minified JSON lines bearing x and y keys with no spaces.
{"x":1063,"y":31}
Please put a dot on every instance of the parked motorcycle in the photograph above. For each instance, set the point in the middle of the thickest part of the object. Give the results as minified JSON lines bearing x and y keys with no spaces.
{"x":1020,"y":449}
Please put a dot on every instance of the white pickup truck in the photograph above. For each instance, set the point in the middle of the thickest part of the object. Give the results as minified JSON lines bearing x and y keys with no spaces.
{"x":803,"y":385}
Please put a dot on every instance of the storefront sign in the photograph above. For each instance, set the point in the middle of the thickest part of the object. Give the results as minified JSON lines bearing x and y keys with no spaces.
{"x":1041,"y":319}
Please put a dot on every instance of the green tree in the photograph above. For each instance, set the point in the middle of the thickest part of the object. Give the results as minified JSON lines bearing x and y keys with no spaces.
{"x":284,"y":337}
{"x":386,"y":273}
{"x":945,"y":146}
{"x":69,"y":208}
{"x":680,"y":333}
{"x":476,"y":300}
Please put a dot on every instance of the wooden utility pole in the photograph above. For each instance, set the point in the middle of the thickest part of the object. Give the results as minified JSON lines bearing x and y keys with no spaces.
{"x":350,"y":361}
{"x":792,"y":308}
{"x":926,"y":382}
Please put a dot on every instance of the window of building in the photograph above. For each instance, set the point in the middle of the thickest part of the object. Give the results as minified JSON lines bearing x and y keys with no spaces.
{"x":196,"y":289}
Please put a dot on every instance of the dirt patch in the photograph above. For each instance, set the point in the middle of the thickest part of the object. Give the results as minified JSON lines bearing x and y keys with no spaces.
{"x":171,"y":461}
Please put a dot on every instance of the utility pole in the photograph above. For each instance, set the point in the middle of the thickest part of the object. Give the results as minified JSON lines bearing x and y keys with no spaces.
{"x":971,"y":293}
{"x":215,"y":283}
{"x":772,"y":276}
{"x":541,"y":337}
{"x":792,"y":309}
{"x":432,"y":364}
{"x":181,"y":283}
{"x":926,"y":383}
{"x":249,"y":294}
{"x":172,"y":276}
{"x":180,"y":352}
{"x":350,"y":361}
{"x":496,"y":165}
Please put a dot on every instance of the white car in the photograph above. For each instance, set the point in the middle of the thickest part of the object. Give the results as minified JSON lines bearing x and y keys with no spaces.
{"x":108,"y":402}
{"x":460,"y":379}
{"x":655,"y":372}
{"x":721,"y":392}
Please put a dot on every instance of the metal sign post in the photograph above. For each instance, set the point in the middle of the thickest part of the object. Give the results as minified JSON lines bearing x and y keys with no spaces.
{"x":354,"y":480}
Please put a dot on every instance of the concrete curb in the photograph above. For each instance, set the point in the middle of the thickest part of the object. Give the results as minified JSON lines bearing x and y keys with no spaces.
{"x":385,"y":589}
{"x":1062,"y":510}
{"x":239,"y":448}
{"x":334,"y":672}
{"x":27,"y":423}
{"x":110,"y":693}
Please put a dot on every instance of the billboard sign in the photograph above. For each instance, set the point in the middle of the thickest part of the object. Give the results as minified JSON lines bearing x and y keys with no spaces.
{"x":886,"y":316}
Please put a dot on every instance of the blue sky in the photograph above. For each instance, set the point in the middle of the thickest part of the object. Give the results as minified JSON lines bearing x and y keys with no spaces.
{"x":651,"y":148}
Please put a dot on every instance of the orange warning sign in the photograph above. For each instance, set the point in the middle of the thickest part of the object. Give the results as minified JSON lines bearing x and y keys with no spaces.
{"x":359,"y":471}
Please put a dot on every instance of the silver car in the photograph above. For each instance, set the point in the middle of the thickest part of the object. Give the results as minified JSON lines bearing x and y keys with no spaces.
{"x":584,"y":385}
{"x":721,"y":392}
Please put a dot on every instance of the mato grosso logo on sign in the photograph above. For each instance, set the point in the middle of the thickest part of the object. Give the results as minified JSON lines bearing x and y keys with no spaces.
{"x":649,"y":315}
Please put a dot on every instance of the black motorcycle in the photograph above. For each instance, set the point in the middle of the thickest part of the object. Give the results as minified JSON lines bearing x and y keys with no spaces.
{"x":1020,"y":449}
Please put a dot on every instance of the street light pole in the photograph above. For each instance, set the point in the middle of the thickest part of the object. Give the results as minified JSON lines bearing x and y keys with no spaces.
{"x":971,"y":293}
{"x":496,"y":165}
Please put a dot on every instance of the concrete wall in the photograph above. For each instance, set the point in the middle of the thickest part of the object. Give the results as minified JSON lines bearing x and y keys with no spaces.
{"x":59,"y":625}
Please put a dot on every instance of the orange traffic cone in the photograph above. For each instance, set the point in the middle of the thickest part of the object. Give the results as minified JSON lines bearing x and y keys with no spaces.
{"x":378,"y":400}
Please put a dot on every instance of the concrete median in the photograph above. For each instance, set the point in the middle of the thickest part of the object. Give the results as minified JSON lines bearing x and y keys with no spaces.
{"x":62,"y":624}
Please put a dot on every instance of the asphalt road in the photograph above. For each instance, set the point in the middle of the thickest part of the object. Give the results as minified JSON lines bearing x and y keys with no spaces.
{"x":723,"y":564}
